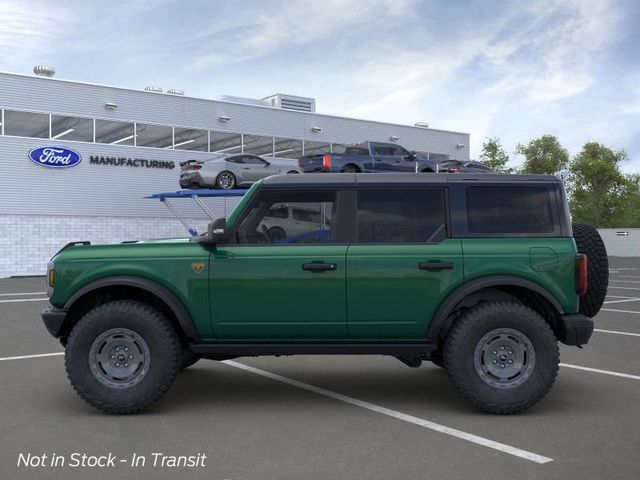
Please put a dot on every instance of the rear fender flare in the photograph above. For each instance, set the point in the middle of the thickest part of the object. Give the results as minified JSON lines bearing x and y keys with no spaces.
{"x":439,"y":321}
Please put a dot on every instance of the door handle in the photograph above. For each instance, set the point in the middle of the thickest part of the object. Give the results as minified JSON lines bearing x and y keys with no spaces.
{"x":435,"y":265}
{"x":319,"y":267}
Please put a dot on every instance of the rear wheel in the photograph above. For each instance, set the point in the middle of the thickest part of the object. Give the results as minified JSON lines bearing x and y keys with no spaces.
{"x":589,"y":242}
{"x":350,"y":169}
{"x":502,"y":357}
{"x":292,"y":172}
{"x":225,"y":180}
{"x":277,"y":233}
{"x":122,"y":356}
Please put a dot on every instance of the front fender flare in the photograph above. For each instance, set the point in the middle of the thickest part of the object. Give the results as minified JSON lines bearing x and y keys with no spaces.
{"x":172,"y":301}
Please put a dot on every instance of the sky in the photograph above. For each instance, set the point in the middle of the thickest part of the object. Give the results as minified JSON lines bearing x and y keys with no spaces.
{"x":513,"y":70}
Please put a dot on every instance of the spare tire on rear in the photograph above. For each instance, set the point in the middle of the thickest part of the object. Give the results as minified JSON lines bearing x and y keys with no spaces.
{"x":590,"y":243}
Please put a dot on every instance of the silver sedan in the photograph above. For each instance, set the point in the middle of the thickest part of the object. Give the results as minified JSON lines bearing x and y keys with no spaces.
{"x":231,"y":171}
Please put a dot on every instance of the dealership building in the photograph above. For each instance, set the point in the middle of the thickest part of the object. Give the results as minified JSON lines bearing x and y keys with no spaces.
{"x":127,"y":144}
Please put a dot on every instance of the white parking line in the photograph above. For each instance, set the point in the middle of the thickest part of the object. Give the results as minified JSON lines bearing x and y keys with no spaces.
{"x":629,"y":276}
{"x":17,"y":300}
{"x":618,"y":311}
{"x":17,"y":294}
{"x":597,"y":370}
{"x":628,"y":299}
{"x":623,"y":288}
{"x":616,"y":332}
{"x":625,"y":281}
{"x":614,"y":269}
{"x":23,"y":357}
{"x":485,"y":442}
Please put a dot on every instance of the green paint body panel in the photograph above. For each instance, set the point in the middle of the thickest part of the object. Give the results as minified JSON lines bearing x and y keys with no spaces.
{"x":389,"y":297}
{"x":262,"y":292}
{"x":548,"y":262}
{"x":166,"y":263}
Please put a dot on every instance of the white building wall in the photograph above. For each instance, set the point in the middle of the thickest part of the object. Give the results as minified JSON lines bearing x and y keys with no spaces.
{"x":28,"y":242}
{"x":621,"y":245}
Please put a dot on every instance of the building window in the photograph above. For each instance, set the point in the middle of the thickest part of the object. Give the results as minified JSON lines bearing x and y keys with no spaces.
{"x":115,"y":133}
{"x":26,"y":124}
{"x":257,"y":145}
{"x":316,"y":148}
{"x":191,"y":139}
{"x":224,"y":142}
{"x":71,"y":128}
{"x":287,"y":148}
{"x":157,"y":136}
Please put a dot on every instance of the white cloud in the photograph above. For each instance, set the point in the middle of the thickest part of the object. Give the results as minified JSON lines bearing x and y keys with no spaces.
{"x":29,"y":29}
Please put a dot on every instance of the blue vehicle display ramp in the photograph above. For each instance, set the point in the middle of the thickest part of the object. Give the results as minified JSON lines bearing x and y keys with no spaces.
{"x":196,"y":195}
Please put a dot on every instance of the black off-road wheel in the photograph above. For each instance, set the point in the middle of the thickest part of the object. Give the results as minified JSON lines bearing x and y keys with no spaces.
{"x":589,"y":242}
{"x":502,"y":357}
{"x":122,"y":356}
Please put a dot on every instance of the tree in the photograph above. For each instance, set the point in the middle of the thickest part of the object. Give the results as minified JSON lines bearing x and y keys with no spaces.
{"x":543,"y":155}
{"x":494,"y":156}
{"x":600,"y":192}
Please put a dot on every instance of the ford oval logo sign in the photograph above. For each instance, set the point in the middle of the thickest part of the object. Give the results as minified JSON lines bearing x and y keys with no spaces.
{"x":55,"y":157}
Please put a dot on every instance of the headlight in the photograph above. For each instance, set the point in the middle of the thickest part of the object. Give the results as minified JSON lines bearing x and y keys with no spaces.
{"x":51,"y":278}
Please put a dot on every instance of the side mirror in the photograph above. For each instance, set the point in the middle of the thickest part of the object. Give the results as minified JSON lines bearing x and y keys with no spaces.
{"x":216,"y":233}
{"x":411,"y":157}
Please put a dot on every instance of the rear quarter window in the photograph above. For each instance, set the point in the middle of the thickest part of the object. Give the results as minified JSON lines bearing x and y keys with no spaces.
{"x":509,"y":210}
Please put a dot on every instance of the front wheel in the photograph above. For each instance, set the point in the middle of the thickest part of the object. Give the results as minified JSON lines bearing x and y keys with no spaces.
{"x":502,"y":357}
{"x":122,"y":356}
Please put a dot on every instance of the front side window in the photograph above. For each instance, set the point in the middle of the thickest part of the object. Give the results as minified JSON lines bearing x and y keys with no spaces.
{"x":401,"y":216}
{"x":252,"y":160}
{"x":500,"y":210}
{"x":268,"y":220}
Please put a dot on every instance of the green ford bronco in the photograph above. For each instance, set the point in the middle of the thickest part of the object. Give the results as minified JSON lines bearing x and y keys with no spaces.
{"x":480,"y":274}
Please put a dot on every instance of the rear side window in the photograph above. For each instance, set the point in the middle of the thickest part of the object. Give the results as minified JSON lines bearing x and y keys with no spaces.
{"x":498,"y":209}
{"x":401,"y":216}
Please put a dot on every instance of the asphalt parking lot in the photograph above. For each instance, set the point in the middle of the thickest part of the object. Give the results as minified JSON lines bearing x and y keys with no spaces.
{"x":365,"y":417}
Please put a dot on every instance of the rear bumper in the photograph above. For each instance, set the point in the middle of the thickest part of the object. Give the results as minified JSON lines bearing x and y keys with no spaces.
{"x":53,"y":319}
{"x":575,"y":329}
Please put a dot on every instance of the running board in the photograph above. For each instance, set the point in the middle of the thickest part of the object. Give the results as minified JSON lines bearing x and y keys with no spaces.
{"x":257,"y":349}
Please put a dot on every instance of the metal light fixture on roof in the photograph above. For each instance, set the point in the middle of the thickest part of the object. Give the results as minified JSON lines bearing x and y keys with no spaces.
{"x":175,"y":91}
{"x":110,"y":106}
{"x":316,"y":129}
{"x":153,"y":88}
{"x":224,"y":118}
{"x":421,"y":124}
{"x":44,"y":71}
{"x":394,"y":138}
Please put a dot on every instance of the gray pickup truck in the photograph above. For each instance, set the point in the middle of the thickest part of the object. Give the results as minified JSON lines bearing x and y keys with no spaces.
{"x":368,"y":157}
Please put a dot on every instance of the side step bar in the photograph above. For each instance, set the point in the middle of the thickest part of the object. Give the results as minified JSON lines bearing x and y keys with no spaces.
{"x":256,"y":349}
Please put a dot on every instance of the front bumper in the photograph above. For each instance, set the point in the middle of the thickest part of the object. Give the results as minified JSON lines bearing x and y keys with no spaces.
{"x":53,"y":319}
{"x":575,"y":329}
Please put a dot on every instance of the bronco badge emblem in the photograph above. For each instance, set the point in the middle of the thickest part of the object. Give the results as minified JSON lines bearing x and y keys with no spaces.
{"x":197,"y":267}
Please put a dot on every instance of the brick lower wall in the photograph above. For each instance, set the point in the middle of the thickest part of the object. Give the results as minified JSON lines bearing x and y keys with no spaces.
{"x":27,"y":242}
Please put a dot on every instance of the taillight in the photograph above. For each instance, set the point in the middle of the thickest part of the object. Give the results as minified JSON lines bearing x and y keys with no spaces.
{"x":196,"y":167}
{"x":299,"y":162}
{"x":326,"y":161}
{"x":582,"y":262}
{"x":454,"y":170}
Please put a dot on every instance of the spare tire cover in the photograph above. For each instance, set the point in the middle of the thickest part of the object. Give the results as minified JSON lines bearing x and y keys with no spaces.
{"x":590,"y":243}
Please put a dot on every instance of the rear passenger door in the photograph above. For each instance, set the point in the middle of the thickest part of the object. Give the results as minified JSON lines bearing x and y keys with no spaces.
{"x":402,"y":264}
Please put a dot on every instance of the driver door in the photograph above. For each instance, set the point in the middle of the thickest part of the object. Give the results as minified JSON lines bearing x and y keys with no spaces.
{"x":275,"y":282}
